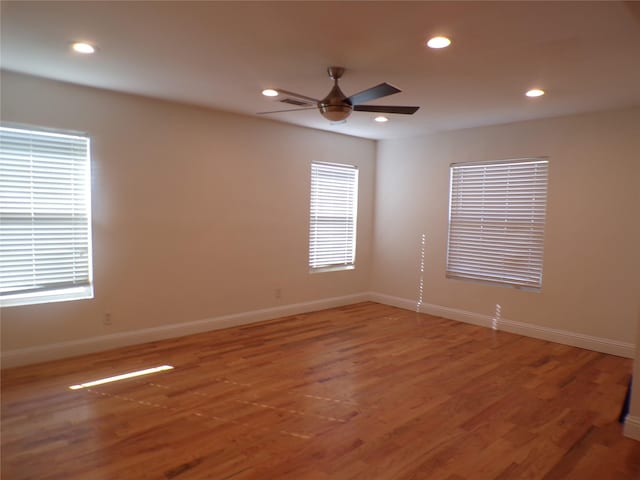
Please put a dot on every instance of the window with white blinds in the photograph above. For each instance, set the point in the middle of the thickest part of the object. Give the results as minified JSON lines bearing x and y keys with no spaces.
{"x":45,"y":233}
{"x":332,"y":232}
{"x":496,"y":222}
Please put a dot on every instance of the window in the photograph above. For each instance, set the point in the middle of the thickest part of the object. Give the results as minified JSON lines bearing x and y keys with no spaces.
{"x":496,"y":222}
{"x":45,"y":234}
{"x":332,"y":232}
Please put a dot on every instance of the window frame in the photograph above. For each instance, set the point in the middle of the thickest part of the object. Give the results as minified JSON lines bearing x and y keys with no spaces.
{"x":66,"y":292}
{"x":337,"y":266}
{"x":504,"y":282}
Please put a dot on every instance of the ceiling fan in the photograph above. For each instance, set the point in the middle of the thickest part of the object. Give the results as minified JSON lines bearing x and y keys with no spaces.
{"x":336,"y":106}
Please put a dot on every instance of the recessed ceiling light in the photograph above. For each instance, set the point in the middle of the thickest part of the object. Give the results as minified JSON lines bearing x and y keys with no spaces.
{"x":381,"y":119}
{"x":270,"y":92}
{"x":438,"y":42}
{"x":82,"y":47}
{"x":535,"y":92}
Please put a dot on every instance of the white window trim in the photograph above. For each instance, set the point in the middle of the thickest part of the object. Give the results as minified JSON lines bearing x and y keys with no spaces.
{"x":504,"y":282}
{"x":52,"y":296}
{"x":336,"y":266}
{"x":66,"y":293}
{"x":332,"y":268}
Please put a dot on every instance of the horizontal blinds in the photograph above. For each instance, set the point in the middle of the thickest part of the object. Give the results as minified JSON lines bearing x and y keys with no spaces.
{"x":496,"y":224}
{"x":44,"y":211}
{"x":332,"y":234}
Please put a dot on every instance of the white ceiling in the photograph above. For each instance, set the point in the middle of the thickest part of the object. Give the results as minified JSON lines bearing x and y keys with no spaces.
{"x":586,"y":55}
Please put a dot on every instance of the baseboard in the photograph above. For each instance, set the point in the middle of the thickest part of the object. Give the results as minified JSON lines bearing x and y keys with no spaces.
{"x":30,"y":355}
{"x":598,"y":344}
{"x":54,"y":351}
{"x":399,"y":302}
{"x":632,"y":427}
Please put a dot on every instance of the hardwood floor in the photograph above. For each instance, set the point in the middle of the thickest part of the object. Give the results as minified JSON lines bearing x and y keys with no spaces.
{"x":365,"y":391}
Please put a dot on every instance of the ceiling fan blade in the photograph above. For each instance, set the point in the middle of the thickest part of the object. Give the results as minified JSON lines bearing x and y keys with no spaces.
{"x":379,"y":91}
{"x":298,"y":95}
{"x":287,"y":110}
{"x":386,"y":109}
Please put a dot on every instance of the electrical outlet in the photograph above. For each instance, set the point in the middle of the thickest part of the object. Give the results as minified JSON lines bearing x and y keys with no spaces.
{"x":277,"y":293}
{"x":106,"y":321}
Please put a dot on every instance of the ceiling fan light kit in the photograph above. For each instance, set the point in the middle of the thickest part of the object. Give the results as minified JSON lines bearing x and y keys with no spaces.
{"x":336,"y":106}
{"x":335,"y":113}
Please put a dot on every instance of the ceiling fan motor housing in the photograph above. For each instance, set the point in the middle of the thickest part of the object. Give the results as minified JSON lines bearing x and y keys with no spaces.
{"x":335,"y":107}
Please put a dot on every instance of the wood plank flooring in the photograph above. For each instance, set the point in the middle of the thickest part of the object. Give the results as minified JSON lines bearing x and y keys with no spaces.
{"x":365,"y":391}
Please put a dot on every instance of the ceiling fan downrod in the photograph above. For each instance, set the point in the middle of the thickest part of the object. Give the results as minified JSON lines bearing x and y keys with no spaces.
{"x":335,"y":107}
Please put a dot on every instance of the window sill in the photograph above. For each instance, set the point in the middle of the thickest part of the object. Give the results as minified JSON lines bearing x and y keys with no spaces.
{"x":34,"y":298}
{"x":496,"y":283}
{"x":332,"y":268}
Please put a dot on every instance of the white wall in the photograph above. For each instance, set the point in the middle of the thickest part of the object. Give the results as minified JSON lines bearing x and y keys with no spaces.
{"x":592,"y":238}
{"x":196,"y":213}
{"x":200,"y":214}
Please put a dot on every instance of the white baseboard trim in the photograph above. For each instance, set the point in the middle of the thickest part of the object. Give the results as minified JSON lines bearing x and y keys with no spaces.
{"x":30,"y":355}
{"x":54,"y":351}
{"x":598,"y":344}
{"x":431,"y":309}
{"x":632,"y":427}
